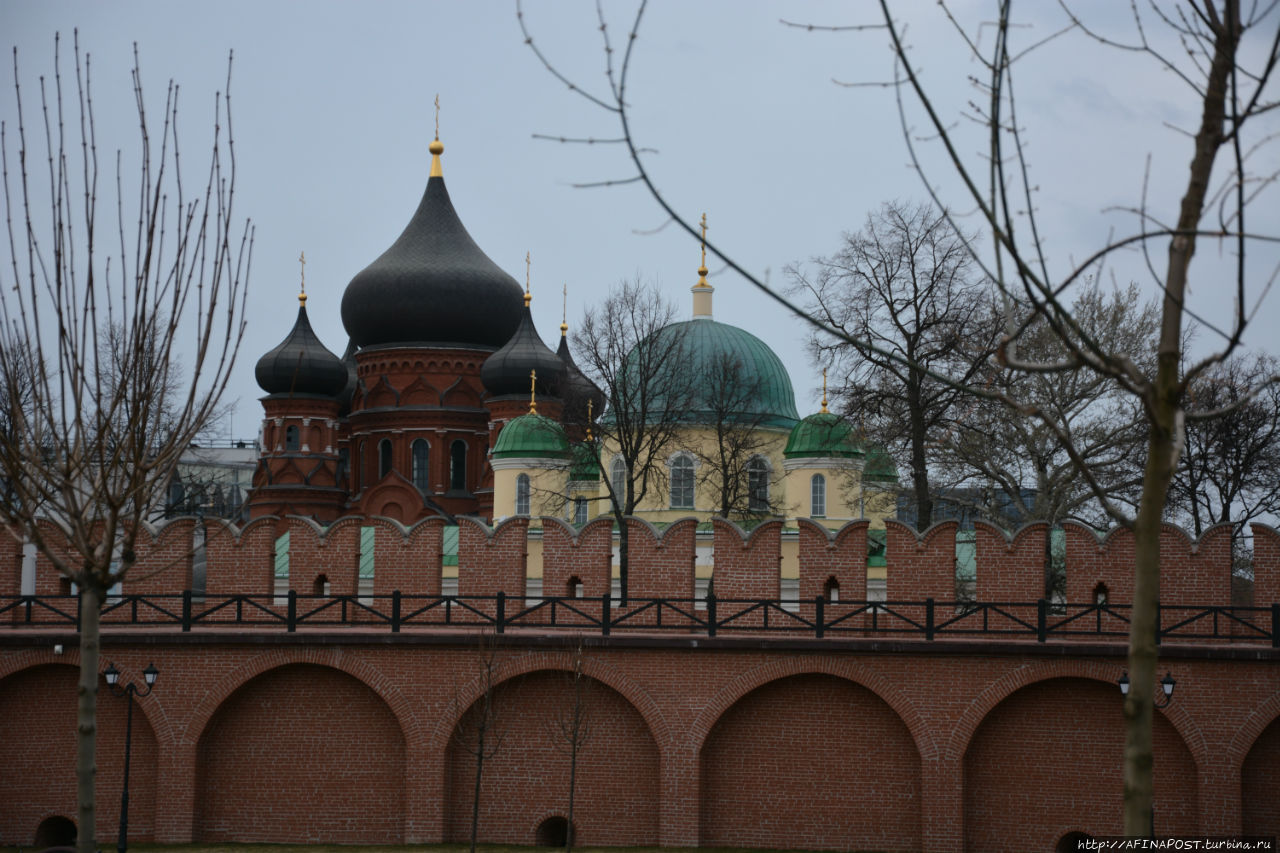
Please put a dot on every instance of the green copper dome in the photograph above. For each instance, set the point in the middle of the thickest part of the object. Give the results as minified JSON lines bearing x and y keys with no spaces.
{"x":879,"y":467}
{"x":531,"y":435}
{"x":823,"y":434}
{"x":733,"y":366}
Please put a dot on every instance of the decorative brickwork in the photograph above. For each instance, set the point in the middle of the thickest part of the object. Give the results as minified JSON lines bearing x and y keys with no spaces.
{"x":921,"y":565}
{"x":1007,"y":564}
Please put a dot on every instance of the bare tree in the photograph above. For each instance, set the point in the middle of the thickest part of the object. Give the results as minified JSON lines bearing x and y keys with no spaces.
{"x":1224,"y":57}
{"x":477,"y":733}
{"x":631,"y":348}
{"x":906,"y":282}
{"x":570,"y":727}
{"x":89,"y":337}
{"x":1230,"y":471}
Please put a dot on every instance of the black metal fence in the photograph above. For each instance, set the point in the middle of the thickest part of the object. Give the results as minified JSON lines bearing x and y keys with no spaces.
{"x":929,"y":619}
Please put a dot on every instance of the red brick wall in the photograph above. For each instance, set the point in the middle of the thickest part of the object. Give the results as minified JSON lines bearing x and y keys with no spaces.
{"x":409,"y":563}
{"x":527,"y":779}
{"x":10,"y":562}
{"x":1091,"y":561}
{"x":1048,"y":760}
{"x":1011,"y":569}
{"x":662,"y":565}
{"x":38,"y":740}
{"x":492,"y":561}
{"x":241,"y":562}
{"x":1195,"y":573}
{"x":921,"y":566}
{"x":1260,"y":784}
{"x":811,"y":762}
{"x":315,"y":552}
{"x":585,"y":554}
{"x":164,"y":562}
{"x":1266,"y":565}
{"x":747,"y":565}
{"x":302,"y":754}
{"x":843,"y":557}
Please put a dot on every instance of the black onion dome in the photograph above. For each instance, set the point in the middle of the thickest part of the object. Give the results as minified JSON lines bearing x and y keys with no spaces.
{"x":507,"y":370}
{"x":348,"y":391}
{"x":577,"y":389}
{"x":433,"y":286}
{"x":301,"y":364}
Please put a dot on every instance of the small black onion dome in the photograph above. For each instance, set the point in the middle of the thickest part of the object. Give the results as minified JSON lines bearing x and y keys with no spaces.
{"x":577,"y":389}
{"x":433,"y":286}
{"x":507,"y":370}
{"x":301,"y":364}
{"x":348,"y":391}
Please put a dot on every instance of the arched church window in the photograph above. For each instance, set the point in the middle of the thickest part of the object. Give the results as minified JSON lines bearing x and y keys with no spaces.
{"x":682,"y":482}
{"x":458,"y":466}
{"x":758,"y":485}
{"x":291,"y":441}
{"x":579,"y":511}
{"x":522,"y":494}
{"x":421,"y":455}
{"x":361,"y":473}
{"x":384,"y":457}
{"x":818,"y":496}
{"x":618,"y":479}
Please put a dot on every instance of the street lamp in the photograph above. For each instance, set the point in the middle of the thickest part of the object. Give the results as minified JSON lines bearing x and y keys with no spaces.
{"x":1166,"y":689}
{"x":149,"y":675}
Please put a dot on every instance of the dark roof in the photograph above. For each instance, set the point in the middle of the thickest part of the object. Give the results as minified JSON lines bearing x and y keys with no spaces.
{"x":507,"y":370}
{"x":434,"y":285}
{"x":576,"y":389}
{"x":301,"y":364}
{"x":353,"y":379}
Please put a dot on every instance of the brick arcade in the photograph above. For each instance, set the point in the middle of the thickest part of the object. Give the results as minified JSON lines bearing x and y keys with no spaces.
{"x":859,"y":739}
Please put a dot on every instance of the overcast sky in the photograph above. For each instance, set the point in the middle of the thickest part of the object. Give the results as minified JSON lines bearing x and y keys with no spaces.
{"x":333,"y":113}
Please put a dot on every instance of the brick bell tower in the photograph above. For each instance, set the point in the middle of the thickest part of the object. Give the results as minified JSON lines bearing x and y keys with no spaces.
{"x":298,"y":470}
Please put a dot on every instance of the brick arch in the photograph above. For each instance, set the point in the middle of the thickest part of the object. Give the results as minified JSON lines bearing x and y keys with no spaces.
{"x":623,"y":685}
{"x":1248,"y":732}
{"x":152,"y":706}
{"x":957,"y":743}
{"x":411,"y":729}
{"x":848,"y":670}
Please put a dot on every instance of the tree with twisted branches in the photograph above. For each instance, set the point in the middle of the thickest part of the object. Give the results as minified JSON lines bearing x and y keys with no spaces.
{"x":97,"y":303}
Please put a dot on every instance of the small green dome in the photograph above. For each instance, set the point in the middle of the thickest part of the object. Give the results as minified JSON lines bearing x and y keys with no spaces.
{"x":708,"y":349}
{"x":531,"y":435}
{"x":586,"y":464}
{"x":879,"y":468}
{"x":822,"y":434}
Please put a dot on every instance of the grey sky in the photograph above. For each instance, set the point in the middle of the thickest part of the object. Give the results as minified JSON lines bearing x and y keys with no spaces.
{"x":333,"y":112}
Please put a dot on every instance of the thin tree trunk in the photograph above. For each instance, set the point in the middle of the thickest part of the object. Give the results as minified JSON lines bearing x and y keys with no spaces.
{"x":86,"y":717}
{"x":475,"y":798}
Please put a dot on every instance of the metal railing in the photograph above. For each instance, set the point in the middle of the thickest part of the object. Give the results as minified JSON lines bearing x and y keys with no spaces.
{"x":711,"y":616}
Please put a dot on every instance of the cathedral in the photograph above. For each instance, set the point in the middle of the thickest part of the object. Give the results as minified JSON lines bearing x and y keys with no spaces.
{"x":448,"y":403}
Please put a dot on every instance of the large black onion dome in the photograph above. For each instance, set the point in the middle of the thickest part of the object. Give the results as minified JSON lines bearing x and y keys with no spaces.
{"x":348,"y":391}
{"x":507,"y":370}
{"x":577,"y":389}
{"x":301,"y":364}
{"x":433,"y":286}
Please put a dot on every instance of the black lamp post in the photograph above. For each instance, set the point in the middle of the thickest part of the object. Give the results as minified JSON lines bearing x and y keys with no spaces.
{"x":128,"y":691}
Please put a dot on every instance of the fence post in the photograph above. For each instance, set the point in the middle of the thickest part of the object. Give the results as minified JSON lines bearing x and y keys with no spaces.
{"x":711,"y":614}
{"x":606,"y":614}
{"x":186,"y":610}
{"x":1042,"y":619}
{"x":1157,"y":623}
{"x":292,"y":622}
{"x":928,"y":618}
{"x":395,"y":612}
{"x":501,"y":612}
{"x":818,"y":615}
{"x":1275,"y":626}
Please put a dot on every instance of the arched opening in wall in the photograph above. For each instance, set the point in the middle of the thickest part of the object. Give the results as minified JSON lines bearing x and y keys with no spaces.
{"x":458,"y":466}
{"x":1260,"y":784}
{"x":758,"y":485}
{"x":421,"y":456}
{"x":618,"y":480}
{"x":818,"y":496}
{"x":681,"y":477}
{"x":1072,"y":841}
{"x":615,"y":801}
{"x":522,"y":494}
{"x":291,"y":440}
{"x":321,"y":586}
{"x":384,"y":457}
{"x":831,"y":590}
{"x":843,"y":770}
{"x":56,"y":831}
{"x":350,"y":741}
{"x":1101,"y":595}
{"x":1079,"y":723}
{"x":575,"y":587}
{"x":553,"y":832}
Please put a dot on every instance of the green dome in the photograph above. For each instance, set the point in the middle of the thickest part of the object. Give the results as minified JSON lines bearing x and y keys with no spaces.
{"x":879,"y":467}
{"x":709,"y":347}
{"x":822,"y":434}
{"x":585,"y":463}
{"x":531,"y":435}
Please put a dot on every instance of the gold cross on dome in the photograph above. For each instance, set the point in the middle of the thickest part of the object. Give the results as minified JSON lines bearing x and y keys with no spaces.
{"x":533,"y":392}
{"x":437,"y":115}
{"x":302,"y":259}
{"x":704,"y":239}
